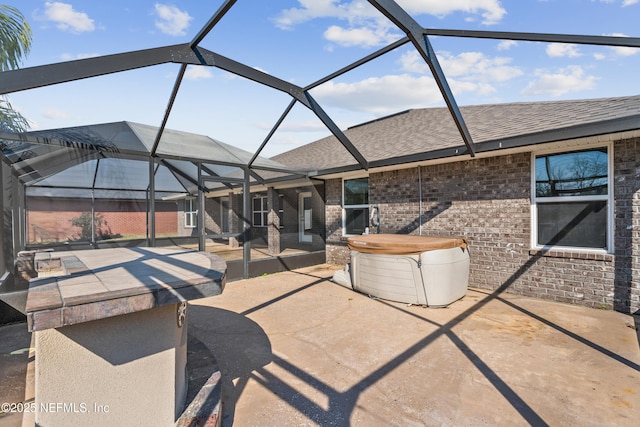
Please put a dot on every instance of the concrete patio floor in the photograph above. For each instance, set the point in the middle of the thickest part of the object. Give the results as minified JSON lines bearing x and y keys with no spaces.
{"x":296,"y":349}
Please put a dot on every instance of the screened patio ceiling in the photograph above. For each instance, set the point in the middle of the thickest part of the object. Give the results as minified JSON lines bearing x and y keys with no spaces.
{"x":98,"y":161}
{"x":111,"y":161}
{"x":78,"y":159}
{"x":74,"y":160}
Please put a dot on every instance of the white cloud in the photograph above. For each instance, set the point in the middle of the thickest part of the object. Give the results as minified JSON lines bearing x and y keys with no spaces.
{"x":392,"y":93}
{"x":313,"y":9}
{"x":380,"y":96}
{"x":367,"y":27}
{"x":467,"y":66}
{"x":54,"y":114}
{"x":412,"y":62}
{"x":490,"y":10}
{"x":171,"y":20}
{"x":476,"y":66}
{"x":563,"y":50}
{"x":197,"y":72}
{"x":621,"y":50}
{"x":363,"y":36}
{"x":459,"y":86}
{"x":71,"y":57}
{"x":66,"y":18}
{"x":599,"y":56}
{"x":625,"y":3}
{"x":564,"y":80}
{"x":507,"y":44}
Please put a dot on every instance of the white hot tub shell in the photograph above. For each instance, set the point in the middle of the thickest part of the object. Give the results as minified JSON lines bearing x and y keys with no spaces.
{"x":425,"y":270}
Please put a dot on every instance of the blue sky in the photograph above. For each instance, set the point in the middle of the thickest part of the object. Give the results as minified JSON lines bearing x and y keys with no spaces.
{"x":302,"y":41}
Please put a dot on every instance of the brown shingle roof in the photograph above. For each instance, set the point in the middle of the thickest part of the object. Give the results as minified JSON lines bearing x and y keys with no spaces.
{"x":430,"y":129}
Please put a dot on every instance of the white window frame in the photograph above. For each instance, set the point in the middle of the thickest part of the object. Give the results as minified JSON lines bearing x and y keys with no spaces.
{"x":344,"y":207}
{"x":264,"y":209}
{"x":608,"y":198}
{"x":264,"y":205}
{"x":190,"y":213}
{"x":281,"y":209}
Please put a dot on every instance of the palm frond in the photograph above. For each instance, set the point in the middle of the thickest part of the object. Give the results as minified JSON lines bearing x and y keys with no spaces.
{"x":10,"y":119}
{"x":15,"y":38}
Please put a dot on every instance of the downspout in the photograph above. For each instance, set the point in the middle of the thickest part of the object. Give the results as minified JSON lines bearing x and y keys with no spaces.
{"x":93,"y":205}
{"x":420,"y":201}
{"x":151,"y":203}
{"x":93,"y":218}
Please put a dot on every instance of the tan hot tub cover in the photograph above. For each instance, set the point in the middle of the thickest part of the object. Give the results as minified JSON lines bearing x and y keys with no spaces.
{"x":402,"y":244}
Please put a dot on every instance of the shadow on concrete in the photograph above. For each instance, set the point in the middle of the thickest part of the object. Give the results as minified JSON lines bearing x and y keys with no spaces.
{"x":240,"y":346}
{"x":343,"y":403}
{"x":15,"y":341}
{"x":582,"y":340}
{"x":241,"y":349}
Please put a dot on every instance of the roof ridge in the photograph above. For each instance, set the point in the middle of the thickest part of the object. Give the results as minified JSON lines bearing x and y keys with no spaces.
{"x":557,"y":101}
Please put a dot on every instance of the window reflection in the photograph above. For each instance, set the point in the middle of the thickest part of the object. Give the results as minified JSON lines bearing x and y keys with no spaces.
{"x":578,"y":173}
{"x":356,"y":205}
{"x":572,"y":199}
{"x":356,"y":191}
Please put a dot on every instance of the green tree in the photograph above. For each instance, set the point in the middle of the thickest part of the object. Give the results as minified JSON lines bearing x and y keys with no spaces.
{"x":15,"y":43}
{"x":84,"y":223}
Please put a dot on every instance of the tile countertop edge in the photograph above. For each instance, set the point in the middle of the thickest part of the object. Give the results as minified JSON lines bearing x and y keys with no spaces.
{"x":43,"y":314}
{"x":66,"y":315}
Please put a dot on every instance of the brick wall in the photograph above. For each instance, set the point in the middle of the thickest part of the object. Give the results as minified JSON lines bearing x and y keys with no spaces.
{"x":336,"y":247}
{"x":49,"y":219}
{"x":488,"y":202}
{"x":627,"y":235}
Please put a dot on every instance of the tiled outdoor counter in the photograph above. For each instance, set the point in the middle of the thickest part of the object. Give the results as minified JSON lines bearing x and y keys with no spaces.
{"x":111,"y":333}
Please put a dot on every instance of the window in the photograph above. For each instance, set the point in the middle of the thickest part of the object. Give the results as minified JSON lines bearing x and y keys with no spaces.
{"x":572,"y":199}
{"x":261,"y":211}
{"x":190,"y":213}
{"x":224,"y":214}
{"x":281,"y":210}
{"x":355,"y":202}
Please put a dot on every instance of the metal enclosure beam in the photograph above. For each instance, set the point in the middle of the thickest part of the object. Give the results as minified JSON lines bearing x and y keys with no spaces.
{"x":415,"y":32}
{"x":246,"y":225}
{"x":222,"y":10}
{"x":359,"y":62}
{"x":538,"y":37}
{"x":324,"y":117}
{"x":51,"y":74}
{"x":272,"y":131}
{"x":202,"y":244}
{"x":213,"y":174}
{"x":207,"y":57}
{"x":167,"y":113}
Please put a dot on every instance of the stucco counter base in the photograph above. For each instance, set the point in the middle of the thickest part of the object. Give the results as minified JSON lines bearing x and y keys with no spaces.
{"x":111,"y":334}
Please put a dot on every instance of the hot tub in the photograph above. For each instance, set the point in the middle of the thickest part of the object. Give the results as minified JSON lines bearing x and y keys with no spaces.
{"x":425,"y":270}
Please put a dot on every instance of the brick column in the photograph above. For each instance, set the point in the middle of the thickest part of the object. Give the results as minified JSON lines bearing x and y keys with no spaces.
{"x":626,"y":288}
{"x":273,"y":230}
{"x":235,"y":211}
